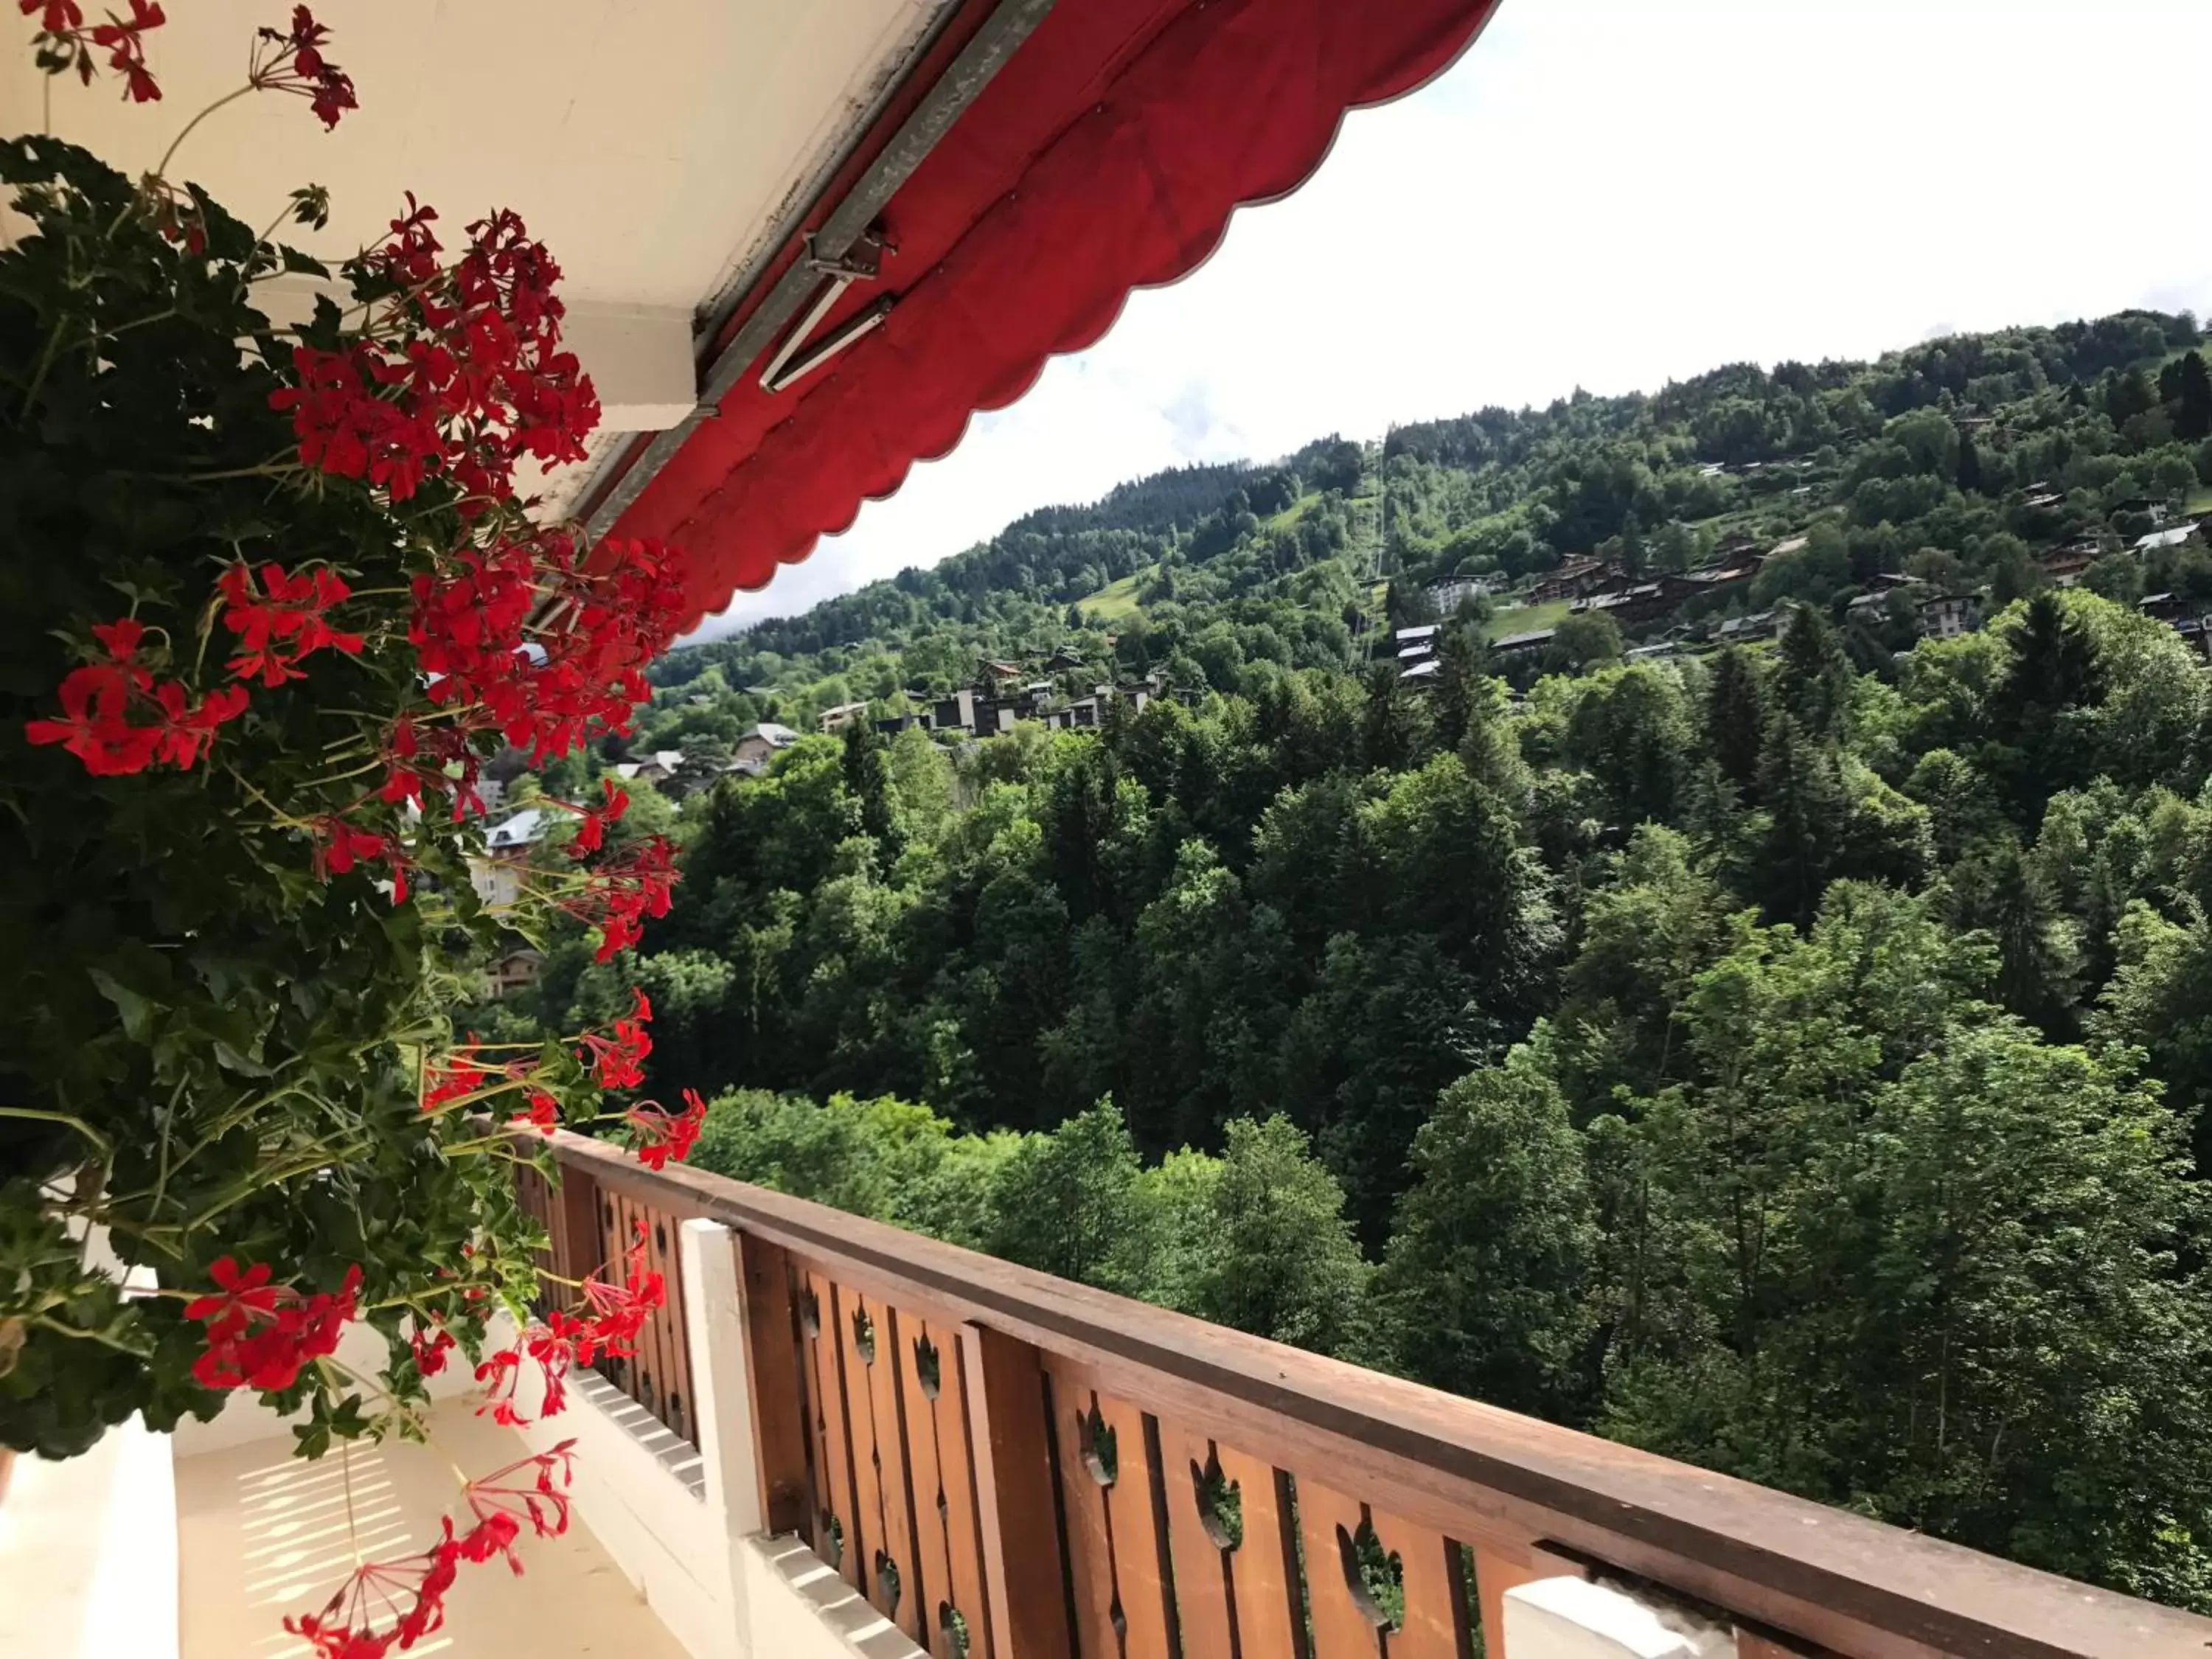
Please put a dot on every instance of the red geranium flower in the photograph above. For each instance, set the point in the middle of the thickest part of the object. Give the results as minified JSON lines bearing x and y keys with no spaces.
{"x":617,"y":1063}
{"x":261,"y":1337}
{"x":662,"y":1134}
{"x":284,"y":624}
{"x":408,"y":1591}
{"x":591,"y":833}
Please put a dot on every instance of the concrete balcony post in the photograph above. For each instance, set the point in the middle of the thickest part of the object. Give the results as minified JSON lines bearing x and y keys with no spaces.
{"x":1578,"y":1618}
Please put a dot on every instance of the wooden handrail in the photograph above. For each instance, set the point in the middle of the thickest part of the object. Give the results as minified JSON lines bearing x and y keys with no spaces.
{"x":1514,"y":1497}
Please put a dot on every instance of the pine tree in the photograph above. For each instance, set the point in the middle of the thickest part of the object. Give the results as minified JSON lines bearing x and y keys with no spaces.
{"x":1970,"y":464}
{"x":2038,"y":963}
{"x":1801,"y":788}
{"x":1817,"y":683}
{"x":1736,"y":715}
{"x":2194,"y":419}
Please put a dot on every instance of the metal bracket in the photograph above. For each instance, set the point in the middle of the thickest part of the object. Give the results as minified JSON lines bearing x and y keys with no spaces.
{"x":860,"y":263}
{"x":863,"y":262}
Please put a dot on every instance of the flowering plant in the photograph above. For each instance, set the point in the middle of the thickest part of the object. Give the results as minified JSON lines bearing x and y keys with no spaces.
{"x":270,"y":606}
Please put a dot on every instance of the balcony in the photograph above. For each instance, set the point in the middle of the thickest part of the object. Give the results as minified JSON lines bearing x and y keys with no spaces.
{"x":839,"y":1439}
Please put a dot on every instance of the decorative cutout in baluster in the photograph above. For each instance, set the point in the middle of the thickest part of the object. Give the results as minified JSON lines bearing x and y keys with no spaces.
{"x":1100,"y":1444}
{"x":810,"y":1313}
{"x":948,"y":1545}
{"x":1114,"y":1503}
{"x":1220,"y":1502}
{"x":832,"y":1531}
{"x":887,"y":1583}
{"x":863,"y":1336}
{"x":1375,"y":1576}
{"x":952,"y":1626}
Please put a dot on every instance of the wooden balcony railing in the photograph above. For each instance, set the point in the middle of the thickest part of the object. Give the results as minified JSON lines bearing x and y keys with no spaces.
{"x":1010,"y":1466}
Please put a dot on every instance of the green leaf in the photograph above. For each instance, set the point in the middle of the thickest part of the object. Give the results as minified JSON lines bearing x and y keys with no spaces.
{"x":303,"y":264}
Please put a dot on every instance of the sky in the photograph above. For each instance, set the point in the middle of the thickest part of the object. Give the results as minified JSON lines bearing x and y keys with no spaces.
{"x":1610,"y":195}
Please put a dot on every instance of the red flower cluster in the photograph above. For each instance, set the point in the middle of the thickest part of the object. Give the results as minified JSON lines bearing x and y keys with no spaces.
{"x":501,"y":1505}
{"x":617,"y":896}
{"x":617,"y":1063}
{"x":545,"y":692}
{"x":592,"y":834}
{"x":64,"y":43}
{"x":462,"y":375}
{"x":542,"y":1114}
{"x":259,"y":1334}
{"x":408,"y":1591}
{"x":277,"y":626}
{"x":613,"y":1316}
{"x":283,"y":623}
{"x":662,"y":1134}
{"x":339,"y":846}
{"x":296,"y":64}
{"x":619,"y":1311}
{"x":396,"y":1603}
{"x":431,"y":1344}
{"x":100,"y":701}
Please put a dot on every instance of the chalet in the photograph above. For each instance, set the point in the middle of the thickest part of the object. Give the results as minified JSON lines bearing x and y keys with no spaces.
{"x":1569,"y":579}
{"x":1448,"y":596}
{"x":1412,"y":644}
{"x":2149,"y":507}
{"x":1084,"y":715}
{"x":2169,"y":537}
{"x":837,"y":718}
{"x":1063,"y":661}
{"x":497,"y":875}
{"x":963,"y":710}
{"x":1422,"y":672}
{"x":516,"y":970}
{"x":1758,"y":625}
{"x":2048,"y":501}
{"x":655,"y":768}
{"x":1949,"y":614}
{"x":1654,"y":652}
{"x":893,"y":724}
{"x":1689,"y":585}
{"x":1516,"y":644}
{"x":1789,"y":545}
{"x":522,"y":831}
{"x":1637,"y":606}
{"x":2168,"y":607}
{"x":2065,"y":566}
{"x":759,"y":742}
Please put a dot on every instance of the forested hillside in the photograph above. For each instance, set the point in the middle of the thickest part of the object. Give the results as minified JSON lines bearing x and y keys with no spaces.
{"x":1796,"y":1058}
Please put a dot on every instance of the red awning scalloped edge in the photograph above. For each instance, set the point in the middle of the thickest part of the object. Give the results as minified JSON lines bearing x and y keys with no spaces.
{"x":1106,"y":156}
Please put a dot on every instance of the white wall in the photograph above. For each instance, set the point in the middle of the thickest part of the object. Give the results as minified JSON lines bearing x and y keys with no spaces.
{"x":97,"y":1536}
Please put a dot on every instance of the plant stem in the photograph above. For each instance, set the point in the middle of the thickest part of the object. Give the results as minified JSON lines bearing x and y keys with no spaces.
{"x":107,"y":1147}
{"x":168,"y":155}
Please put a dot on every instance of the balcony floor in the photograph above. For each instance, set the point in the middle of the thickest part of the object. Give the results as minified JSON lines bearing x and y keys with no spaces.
{"x":261,"y":1535}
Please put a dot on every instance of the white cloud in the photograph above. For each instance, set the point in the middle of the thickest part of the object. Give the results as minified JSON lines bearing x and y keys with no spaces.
{"x":1606,"y":195}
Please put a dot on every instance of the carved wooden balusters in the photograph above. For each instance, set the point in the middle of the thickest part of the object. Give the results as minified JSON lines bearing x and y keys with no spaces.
{"x":886,"y":1401}
{"x":1181,"y":1546}
{"x":658,"y":1376}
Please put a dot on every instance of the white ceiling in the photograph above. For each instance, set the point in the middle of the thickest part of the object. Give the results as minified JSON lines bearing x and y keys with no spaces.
{"x":649,"y":146}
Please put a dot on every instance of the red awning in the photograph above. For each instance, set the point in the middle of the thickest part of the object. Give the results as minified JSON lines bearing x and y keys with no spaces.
{"x":1106,"y":155}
